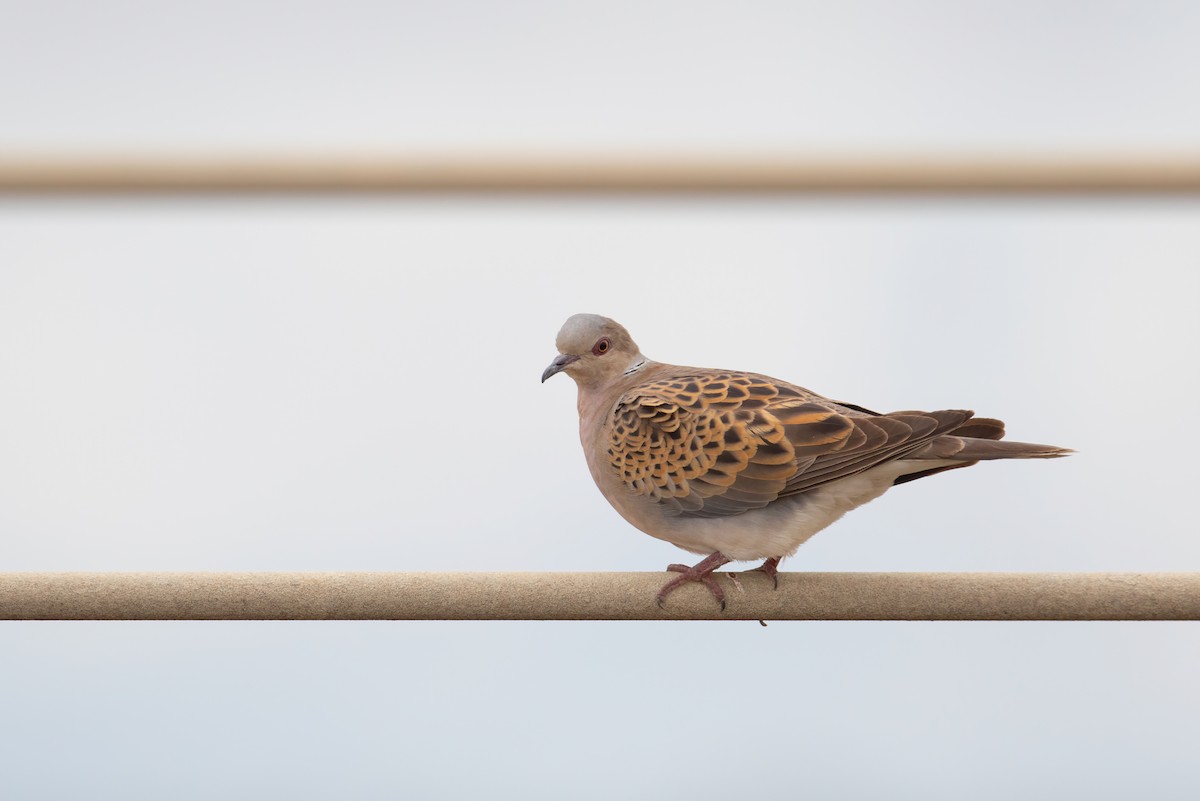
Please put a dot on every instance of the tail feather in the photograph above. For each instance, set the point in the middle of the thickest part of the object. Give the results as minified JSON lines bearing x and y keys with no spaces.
{"x":981,"y":428}
{"x":976,"y":440}
{"x":981,"y":449}
{"x":952,"y":446}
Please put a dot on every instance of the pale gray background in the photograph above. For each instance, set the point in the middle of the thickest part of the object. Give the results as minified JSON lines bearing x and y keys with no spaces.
{"x":325,"y":384}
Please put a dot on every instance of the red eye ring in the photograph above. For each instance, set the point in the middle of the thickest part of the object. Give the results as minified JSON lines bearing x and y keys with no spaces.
{"x":602,"y":346}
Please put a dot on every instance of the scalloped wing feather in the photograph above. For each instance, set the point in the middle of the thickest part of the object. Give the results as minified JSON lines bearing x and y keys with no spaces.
{"x":712,"y":444}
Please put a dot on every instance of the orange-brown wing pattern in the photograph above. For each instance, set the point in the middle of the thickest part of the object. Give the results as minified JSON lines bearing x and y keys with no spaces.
{"x":876,"y":440}
{"x":716,"y":444}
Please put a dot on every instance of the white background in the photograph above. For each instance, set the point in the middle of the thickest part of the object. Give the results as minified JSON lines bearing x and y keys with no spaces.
{"x":352,"y":384}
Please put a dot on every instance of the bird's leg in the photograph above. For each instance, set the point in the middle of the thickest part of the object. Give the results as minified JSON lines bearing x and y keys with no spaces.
{"x":701,"y":572}
{"x":771,"y":568}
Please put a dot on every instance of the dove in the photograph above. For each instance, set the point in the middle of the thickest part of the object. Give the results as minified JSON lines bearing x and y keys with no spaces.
{"x":740,"y":466}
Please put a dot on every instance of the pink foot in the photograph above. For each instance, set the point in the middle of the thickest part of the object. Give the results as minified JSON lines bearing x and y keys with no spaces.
{"x":702,"y":572}
{"x":771,"y":568}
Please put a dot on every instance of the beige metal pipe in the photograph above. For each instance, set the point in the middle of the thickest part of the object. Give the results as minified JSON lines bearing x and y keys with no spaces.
{"x":596,"y":596}
{"x":650,"y":173}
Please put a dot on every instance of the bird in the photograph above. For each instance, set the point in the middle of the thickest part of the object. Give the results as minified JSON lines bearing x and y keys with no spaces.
{"x":739,"y":466}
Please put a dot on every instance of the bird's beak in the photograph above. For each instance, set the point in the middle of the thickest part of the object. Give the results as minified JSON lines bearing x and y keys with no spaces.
{"x":558,"y":365}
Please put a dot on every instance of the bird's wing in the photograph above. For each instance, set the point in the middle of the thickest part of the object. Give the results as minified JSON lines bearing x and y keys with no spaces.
{"x":711,"y":444}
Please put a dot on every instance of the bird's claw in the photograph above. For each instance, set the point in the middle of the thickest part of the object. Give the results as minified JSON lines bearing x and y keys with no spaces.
{"x":701,"y":573}
{"x":770,"y":568}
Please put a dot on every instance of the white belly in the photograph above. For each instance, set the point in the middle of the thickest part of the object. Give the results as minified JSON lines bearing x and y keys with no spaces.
{"x":779,"y":529}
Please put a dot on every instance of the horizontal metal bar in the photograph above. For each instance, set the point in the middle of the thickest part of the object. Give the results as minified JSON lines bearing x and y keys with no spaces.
{"x":718,"y":174}
{"x":597,"y":596}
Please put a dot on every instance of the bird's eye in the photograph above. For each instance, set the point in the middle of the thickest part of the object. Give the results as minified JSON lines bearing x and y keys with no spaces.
{"x":601,"y":347}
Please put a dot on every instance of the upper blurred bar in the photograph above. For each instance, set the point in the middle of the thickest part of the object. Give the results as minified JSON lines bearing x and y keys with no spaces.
{"x":724,"y":175}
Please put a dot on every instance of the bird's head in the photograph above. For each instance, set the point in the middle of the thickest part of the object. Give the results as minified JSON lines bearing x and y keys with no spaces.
{"x":593,"y":349}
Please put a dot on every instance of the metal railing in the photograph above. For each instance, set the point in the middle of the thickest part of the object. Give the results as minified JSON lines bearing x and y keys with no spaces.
{"x":597,"y":596}
{"x":599,"y":173}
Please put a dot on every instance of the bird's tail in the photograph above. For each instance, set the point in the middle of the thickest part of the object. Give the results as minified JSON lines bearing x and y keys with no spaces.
{"x":980,"y":439}
{"x":983,"y":449}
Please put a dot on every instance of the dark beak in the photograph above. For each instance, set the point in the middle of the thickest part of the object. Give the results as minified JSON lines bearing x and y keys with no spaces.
{"x":558,"y":365}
